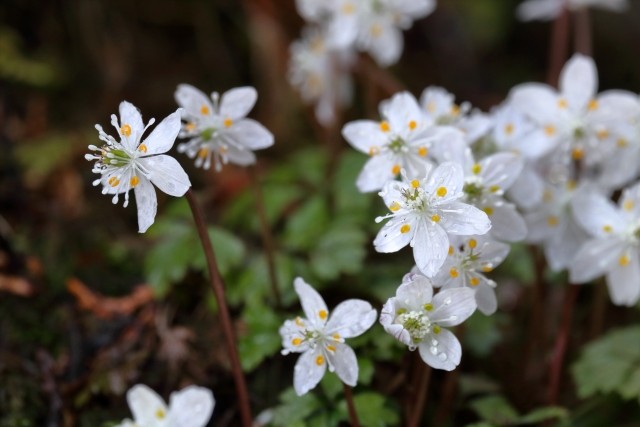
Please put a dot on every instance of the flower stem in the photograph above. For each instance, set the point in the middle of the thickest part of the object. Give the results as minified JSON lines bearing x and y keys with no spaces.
{"x":353,"y":416}
{"x":582,"y":24}
{"x":421,"y":398}
{"x":267,"y":237}
{"x":559,"y":47}
{"x":217,"y":285}
{"x":560,"y":347}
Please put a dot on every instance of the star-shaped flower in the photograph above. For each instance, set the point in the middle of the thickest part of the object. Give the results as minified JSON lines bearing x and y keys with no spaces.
{"x":424,"y":211}
{"x":218,"y":128}
{"x":320,"y":338}
{"x":417,"y":318}
{"x":190,"y":407}
{"x":134,"y":164}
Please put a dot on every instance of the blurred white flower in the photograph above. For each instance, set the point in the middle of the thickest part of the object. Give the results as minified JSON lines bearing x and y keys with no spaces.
{"x":546,"y":10}
{"x":468,"y":261}
{"x":614,"y":247}
{"x":190,"y":407}
{"x":134,"y":164}
{"x":439,"y":108}
{"x":402,"y":140}
{"x":417,"y":318}
{"x":218,"y":127}
{"x":424,"y":211}
{"x":320,"y":338}
{"x":321,"y":75}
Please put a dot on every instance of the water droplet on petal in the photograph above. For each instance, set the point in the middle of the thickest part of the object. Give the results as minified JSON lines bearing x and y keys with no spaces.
{"x":442,"y":356}
{"x":433,"y":350}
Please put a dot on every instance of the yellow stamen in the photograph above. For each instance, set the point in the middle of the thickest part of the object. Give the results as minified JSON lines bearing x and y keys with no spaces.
{"x":436,"y":329}
{"x":204,"y":110}
{"x":396,"y":170}
{"x":577,"y":154}
{"x":547,"y":195}
{"x":450,"y":250}
{"x":114,"y":181}
{"x":203,"y":153}
{"x":474,"y":281}
{"x":374,"y":150}
{"x":441,"y":191}
{"x":125,"y":130}
{"x":142,"y":148}
{"x":160,"y":414}
{"x":552,"y":221}
{"x":603,"y":134}
{"x":405,"y":228}
{"x":476,"y":169}
{"x":621,"y":143}
{"x":624,"y":260}
{"x":455,"y":110}
{"x":473,"y":243}
{"x":384,"y":126}
{"x":412,"y":124}
{"x":322,"y":314}
{"x":190,"y":126}
{"x":549,"y":130}
{"x":509,"y":128}
{"x":331,"y":348}
{"x":453,"y":272}
{"x":320,"y":360}
{"x":488,"y":210}
{"x":593,"y":104}
{"x":431,"y":106}
{"x":336,"y":337}
{"x":395,"y":206}
{"x":422,"y":151}
{"x":376,"y":30}
{"x":562,"y":103}
{"x":415,"y":183}
{"x":134,"y":181}
{"x":428,"y":306}
{"x":607,"y":228}
{"x":222,"y":150}
{"x":494,"y":188}
{"x":628,"y":205}
{"x":296,"y":341}
{"x":487,"y":269}
{"x":571,"y":184}
{"x":348,"y":8}
{"x":299,"y":322}
{"x":435,"y":218}
{"x":228,"y":123}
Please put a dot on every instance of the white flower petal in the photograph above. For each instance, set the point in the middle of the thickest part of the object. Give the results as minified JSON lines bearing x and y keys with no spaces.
{"x":453,"y":306}
{"x":391,"y":237}
{"x":544,"y":10}
{"x":147,"y":407}
{"x":501,"y":169}
{"x":536,"y":100}
{"x":528,"y":189}
{"x":191,"y":407}
{"x":364,"y":134}
{"x":595,"y":258}
{"x":579,"y":82}
{"x":250,"y":134}
{"x":463,"y":219}
{"x":376,"y":172}
{"x":450,"y":176}
{"x":507,"y":224}
{"x":448,"y":351}
{"x":166,"y":173}
{"x":345,"y":364}
{"x":493,"y":252}
{"x":343,"y":29}
{"x":430,"y":248}
{"x":486,"y":298}
{"x":560,"y":251}
{"x":307,"y":372}
{"x":193,"y":100}
{"x":240,"y":157}
{"x":624,"y":281}
{"x":312,"y":303}
{"x":415,"y":294}
{"x":236,"y":103}
{"x":164,"y":135}
{"x":386,"y":48}
{"x":401,"y":110}
{"x":351,"y":318}
{"x":597,"y":214}
{"x":130,"y":115}
{"x":146,"y":202}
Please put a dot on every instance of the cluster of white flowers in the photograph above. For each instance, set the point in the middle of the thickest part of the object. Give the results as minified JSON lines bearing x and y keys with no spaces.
{"x":321,"y":62}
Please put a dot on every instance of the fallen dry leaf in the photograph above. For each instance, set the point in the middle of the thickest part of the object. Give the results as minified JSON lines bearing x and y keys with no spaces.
{"x":107,"y":307}
{"x":16,"y":285}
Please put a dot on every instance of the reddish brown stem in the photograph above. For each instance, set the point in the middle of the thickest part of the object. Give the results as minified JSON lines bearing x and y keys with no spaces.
{"x":267,"y":237}
{"x":560,"y":347}
{"x":582,"y":25}
{"x":353,"y":416}
{"x":421,"y":398}
{"x":559,"y":47}
{"x":217,"y":285}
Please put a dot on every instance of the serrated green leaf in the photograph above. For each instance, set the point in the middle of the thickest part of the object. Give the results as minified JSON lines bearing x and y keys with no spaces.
{"x":495,"y":409}
{"x":371,"y":410}
{"x":262,"y":338}
{"x":307,"y":224}
{"x":254,"y":284}
{"x":294,"y":408}
{"x":542,"y":414}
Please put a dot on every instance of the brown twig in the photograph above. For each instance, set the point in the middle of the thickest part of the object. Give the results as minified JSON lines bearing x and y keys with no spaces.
{"x":267,"y":237}
{"x":560,"y":347}
{"x":353,"y":416}
{"x":582,"y":25}
{"x":421,"y":398}
{"x":217,"y":285}
{"x":559,"y":47}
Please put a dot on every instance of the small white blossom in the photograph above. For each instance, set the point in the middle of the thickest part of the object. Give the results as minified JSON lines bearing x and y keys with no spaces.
{"x":320,"y":338}
{"x":218,"y":128}
{"x":468,"y":262}
{"x":402,"y":140}
{"x":190,"y":407}
{"x":614,"y":247}
{"x":417,"y":318}
{"x":546,"y":10}
{"x":134,"y":164}
{"x":424,"y":211}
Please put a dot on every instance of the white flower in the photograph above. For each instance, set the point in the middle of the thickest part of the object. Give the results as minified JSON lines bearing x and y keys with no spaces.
{"x":190,"y":407}
{"x":220,"y":129}
{"x":134,"y":164}
{"x":416,"y":318}
{"x":484,"y":185}
{"x":402,"y":140}
{"x":373,"y":26}
{"x":614,"y":247}
{"x":549,"y":9}
{"x":321,"y":74}
{"x":424,"y":211}
{"x":439,"y":108}
{"x":468,"y":261}
{"x":320,"y":338}
{"x":553,"y":225}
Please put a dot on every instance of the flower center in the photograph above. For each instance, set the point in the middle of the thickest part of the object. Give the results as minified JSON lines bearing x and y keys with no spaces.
{"x":415,"y":322}
{"x":397,"y":145}
{"x":414,"y":198}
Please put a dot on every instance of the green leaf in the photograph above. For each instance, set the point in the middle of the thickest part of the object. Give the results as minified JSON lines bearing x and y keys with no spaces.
{"x":371,"y":410}
{"x":262,"y":339}
{"x":228,"y":249}
{"x":294,"y":408}
{"x":477,"y":383}
{"x":543,"y":414}
{"x":365,"y":372}
{"x":331,"y":385}
{"x":311,"y":165}
{"x":307,"y":224}
{"x":340,"y":250}
{"x":349,"y":202}
{"x":482,"y":333}
{"x":495,"y":409}
{"x":254,"y":284}
{"x":610,"y":364}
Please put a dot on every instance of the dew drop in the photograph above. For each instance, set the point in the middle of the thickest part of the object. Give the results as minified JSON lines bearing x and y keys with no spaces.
{"x":442,"y":356}
{"x":433,"y":350}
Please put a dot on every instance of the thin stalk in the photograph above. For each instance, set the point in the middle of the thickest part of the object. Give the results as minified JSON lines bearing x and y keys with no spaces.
{"x":560,"y":347}
{"x":353,"y":416}
{"x":598,"y":312}
{"x":421,"y":398}
{"x":448,"y":392}
{"x":217,"y":285}
{"x":559,"y":47}
{"x":536,"y":330}
{"x":582,"y":24}
{"x":267,"y":237}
